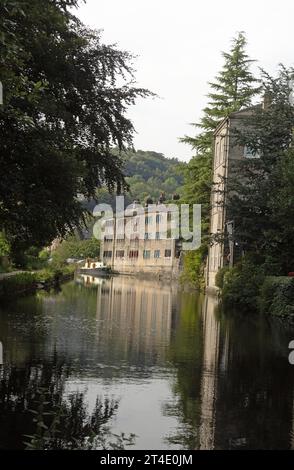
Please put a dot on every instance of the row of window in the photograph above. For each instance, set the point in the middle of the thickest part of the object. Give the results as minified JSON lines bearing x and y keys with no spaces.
{"x":147,"y":236}
{"x":159,"y":218}
{"x":135,"y":254}
{"x":220,"y":151}
{"x":148,"y":220}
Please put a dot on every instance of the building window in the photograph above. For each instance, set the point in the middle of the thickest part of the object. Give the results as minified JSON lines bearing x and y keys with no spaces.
{"x":250,"y":153}
{"x":107,"y":254}
{"x":157,"y":254}
{"x":158,"y":218}
{"x":146,"y":254}
{"x":108,"y":238}
{"x":148,"y":219}
{"x":157,"y":235}
{"x":120,"y":253}
{"x":167,"y":253}
{"x":147,"y":236}
{"x":133,"y":254}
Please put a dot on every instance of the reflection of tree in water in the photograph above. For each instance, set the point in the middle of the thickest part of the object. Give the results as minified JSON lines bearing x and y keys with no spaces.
{"x":185,"y":353}
{"x":35,"y":409}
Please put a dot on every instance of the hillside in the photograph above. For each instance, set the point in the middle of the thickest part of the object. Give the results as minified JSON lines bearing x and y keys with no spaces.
{"x":149,"y":173}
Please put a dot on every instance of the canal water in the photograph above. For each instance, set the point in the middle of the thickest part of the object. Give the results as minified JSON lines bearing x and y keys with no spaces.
{"x":141,"y":364}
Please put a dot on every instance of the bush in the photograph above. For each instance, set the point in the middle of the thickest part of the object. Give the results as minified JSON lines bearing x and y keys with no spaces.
{"x":52,"y":276}
{"x":193,"y":270}
{"x":17,"y":285}
{"x":277,"y":296}
{"x":77,"y":249}
{"x":4,"y":246}
{"x":241,"y":286}
{"x":4,"y":254}
{"x":219,"y":278}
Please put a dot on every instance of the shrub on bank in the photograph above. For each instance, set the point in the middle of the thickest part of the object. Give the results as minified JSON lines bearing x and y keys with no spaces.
{"x":24,"y":283}
{"x":17,"y":285}
{"x":77,"y":249}
{"x":247,"y":288}
{"x":219,"y":278}
{"x":241,"y":286}
{"x":277,"y":296}
{"x":54,"y":275}
{"x":193,"y":269}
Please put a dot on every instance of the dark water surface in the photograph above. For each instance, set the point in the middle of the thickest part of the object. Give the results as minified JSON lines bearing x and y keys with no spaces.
{"x":133,"y":356}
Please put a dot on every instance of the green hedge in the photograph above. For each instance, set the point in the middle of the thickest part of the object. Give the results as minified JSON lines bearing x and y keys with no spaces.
{"x":241,"y":286}
{"x":246,"y":288}
{"x":220,"y":276}
{"x":277,"y":296}
{"x":51,"y":276}
{"x":17,"y":285}
{"x":23,"y":283}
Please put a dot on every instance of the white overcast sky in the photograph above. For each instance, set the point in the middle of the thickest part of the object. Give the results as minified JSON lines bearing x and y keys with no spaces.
{"x":179,"y":44}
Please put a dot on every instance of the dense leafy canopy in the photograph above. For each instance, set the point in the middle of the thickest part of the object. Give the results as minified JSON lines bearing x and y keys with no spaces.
{"x":65,"y":100}
{"x":261,"y":190}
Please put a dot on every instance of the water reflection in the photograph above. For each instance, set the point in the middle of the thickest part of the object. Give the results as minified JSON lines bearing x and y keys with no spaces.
{"x":164,"y":364}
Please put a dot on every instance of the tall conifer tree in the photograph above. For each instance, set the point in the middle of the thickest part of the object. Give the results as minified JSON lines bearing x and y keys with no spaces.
{"x":233,"y":89}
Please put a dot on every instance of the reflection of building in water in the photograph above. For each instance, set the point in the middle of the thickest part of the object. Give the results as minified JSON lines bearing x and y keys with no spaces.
{"x":244,"y":401}
{"x":89,"y":280}
{"x":139,"y":314}
{"x":211,"y":339}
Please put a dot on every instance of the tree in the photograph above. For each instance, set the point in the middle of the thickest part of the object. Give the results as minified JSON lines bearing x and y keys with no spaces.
{"x":260,"y":191}
{"x":65,"y":100}
{"x":232,"y":90}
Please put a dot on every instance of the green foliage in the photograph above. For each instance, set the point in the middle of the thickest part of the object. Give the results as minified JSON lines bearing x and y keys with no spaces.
{"x":261,"y":190}
{"x":65,"y":423}
{"x":76,"y":249}
{"x":17,"y":285}
{"x":193,"y":272}
{"x":197,"y":186}
{"x":233,"y":89}
{"x":54,"y":274}
{"x":148,"y":174}
{"x":4,"y":245}
{"x":241,"y":286}
{"x":32,"y":259}
{"x":219,"y":278}
{"x":277,"y":296}
{"x":66,"y":96}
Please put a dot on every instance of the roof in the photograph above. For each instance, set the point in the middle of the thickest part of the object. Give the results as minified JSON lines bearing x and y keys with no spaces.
{"x":236,"y":114}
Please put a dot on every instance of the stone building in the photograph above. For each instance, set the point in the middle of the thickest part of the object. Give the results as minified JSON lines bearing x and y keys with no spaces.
{"x":142,"y":242}
{"x":226,"y":152}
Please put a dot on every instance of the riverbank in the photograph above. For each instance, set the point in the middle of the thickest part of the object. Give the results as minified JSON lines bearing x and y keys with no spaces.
{"x":23,"y":283}
{"x":246,"y":287}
